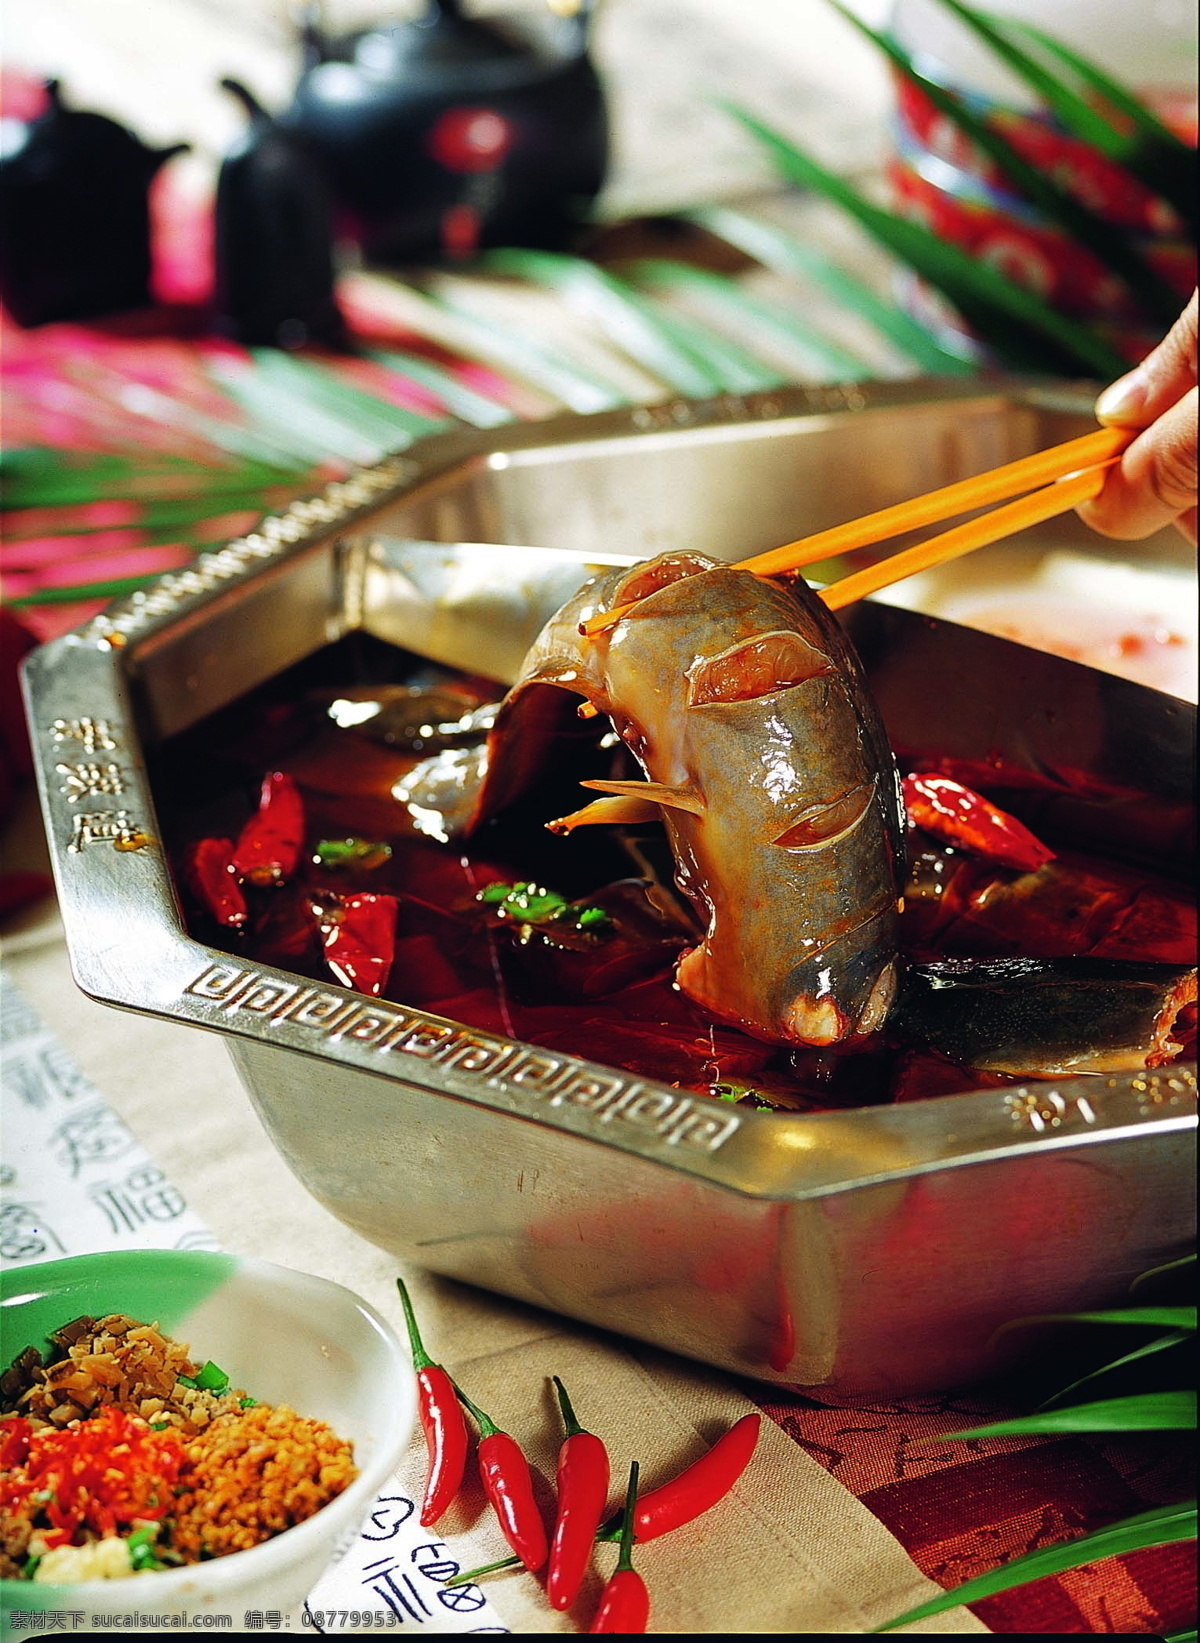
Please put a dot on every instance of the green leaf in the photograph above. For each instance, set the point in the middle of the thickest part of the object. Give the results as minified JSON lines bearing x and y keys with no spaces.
{"x":1111,"y":245}
{"x":1161,"y":1271}
{"x":40,"y":477}
{"x":117,"y":588}
{"x":153,"y":516}
{"x":787,"y":255}
{"x":577,"y":389}
{"x":1018,"y":325}
{"x":1140,"y":1412}
{"x":625,"y":319}
{"x":468,"y":404}
{"x":1180,"y":1637}
{"x":1163,"y":1526}
{"x":1155,"y":1317}
{"x":1152,"y":153}
{"x":371,"y":417}
{"x":309,"y":430}
{"x":728,"y":303}
{"x":1159,"y":1345}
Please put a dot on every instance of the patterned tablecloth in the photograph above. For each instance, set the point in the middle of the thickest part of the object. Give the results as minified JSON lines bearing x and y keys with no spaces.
{"x":123,"y":1131}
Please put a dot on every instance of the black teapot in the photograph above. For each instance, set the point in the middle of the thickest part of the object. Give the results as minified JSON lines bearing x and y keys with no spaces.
{"x":446,"y":133}
{"x":74,"y":189}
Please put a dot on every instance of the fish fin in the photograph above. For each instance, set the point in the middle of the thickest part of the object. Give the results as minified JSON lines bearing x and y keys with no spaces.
{"x":619,"y":808}
{"x":675,"y":798}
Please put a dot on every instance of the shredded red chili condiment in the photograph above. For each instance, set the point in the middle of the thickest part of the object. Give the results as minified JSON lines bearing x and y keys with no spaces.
{"x":102,"y":1475}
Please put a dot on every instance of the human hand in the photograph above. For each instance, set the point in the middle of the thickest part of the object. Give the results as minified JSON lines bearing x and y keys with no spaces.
{"x":1154,"y":484}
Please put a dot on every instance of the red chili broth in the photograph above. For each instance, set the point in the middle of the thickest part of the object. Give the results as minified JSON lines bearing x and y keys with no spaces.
{"x":609,"y":1000}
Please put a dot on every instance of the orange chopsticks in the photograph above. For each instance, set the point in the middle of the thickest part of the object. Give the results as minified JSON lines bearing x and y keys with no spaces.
{"x":1067,"y":474}
{"x":976,"y":533}
{"x":980,"y":491}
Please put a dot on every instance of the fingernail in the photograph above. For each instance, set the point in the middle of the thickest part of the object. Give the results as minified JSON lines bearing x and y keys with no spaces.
{"x":1124,"y":400}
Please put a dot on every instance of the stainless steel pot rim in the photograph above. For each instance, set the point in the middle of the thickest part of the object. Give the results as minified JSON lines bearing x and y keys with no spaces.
{"x":129,"y":947}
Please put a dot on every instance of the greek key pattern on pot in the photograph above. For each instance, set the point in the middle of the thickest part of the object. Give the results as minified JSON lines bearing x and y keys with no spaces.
{"x":499,"y":1063}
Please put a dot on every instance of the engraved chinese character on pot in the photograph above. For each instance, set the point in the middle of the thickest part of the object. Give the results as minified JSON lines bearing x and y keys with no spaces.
{"x":89,"y":780}
{"x":113,"y":827}
{"x":93,"y":735}
{"x":1044,"y":1110}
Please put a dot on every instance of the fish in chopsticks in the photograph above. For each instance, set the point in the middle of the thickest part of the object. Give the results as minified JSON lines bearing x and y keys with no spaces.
{"x":746,"y":707}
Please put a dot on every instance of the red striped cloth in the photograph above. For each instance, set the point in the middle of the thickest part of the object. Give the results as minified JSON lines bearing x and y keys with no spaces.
{"x":961,"y":1509}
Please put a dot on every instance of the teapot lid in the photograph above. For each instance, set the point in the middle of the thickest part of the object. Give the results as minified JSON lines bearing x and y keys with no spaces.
{"x":439,"y":45}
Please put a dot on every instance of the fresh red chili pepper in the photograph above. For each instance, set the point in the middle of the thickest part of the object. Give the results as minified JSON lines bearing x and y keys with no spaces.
{"x":358,"y":933}
{"x":509,"y":1485}
{"x":624,"y":1602}
{"x":697,"y":1487}
{"x":960,"y":816}
{"x":268,"y":847}
{"x":583,"y":1473}
{"x":211,"y":875}
{"x":442,"y":1421}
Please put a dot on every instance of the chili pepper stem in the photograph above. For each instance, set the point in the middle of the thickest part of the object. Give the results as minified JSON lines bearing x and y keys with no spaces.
{"x":420,"y":1358}
{"x":625,"y":1560}
{"x":570,"y":1420}
{"x":487,"y":1426}
{"x":472,"y":1575}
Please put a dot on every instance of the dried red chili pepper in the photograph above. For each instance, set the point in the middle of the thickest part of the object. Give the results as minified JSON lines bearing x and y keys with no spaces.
{"x":506,"y":1478}
{"x":625,"y":1602}
{"x":210,"y":873}
{"x":697,"y":1487}
{"x":358,"y":933}
{"x":955,"y":813}
{"x":583,"y":1473}
{"x":268,"y":847}
{"x":442,"y":1421}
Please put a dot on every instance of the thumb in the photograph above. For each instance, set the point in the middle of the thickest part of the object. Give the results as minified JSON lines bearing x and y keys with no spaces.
{"x":1154,"y":484}
{"x":1164,"y":376}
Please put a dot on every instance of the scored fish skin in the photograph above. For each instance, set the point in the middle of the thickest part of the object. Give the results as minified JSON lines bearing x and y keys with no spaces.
{"x":745,"y":705}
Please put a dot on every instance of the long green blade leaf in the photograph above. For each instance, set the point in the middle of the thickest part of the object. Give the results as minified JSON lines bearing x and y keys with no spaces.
{"x":1164,"y":1526}
{"x":1156,"y":1317}
{"x":1160,"y":160}
{"x":1180,"y":1637}
{"x":728,"y":302}
{"x":1174,"y":1338}
{"x":39,"y":477}
{"x":1161,"y":1271}
{"x":371,"y":418}
{"x":1080,"y":118}
{"x":1141,"y":1412}
{"x":512,"y":351}
{"x":468,"y":404}
{"x":1109,"y":244}
{"x":625,"y":321}
{"x":787,"y":255}
{"x":117,"y":588}
{"x":1017,"y":324}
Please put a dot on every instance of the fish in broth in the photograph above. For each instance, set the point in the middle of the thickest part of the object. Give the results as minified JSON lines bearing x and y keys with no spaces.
{"x":746,"y":707}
